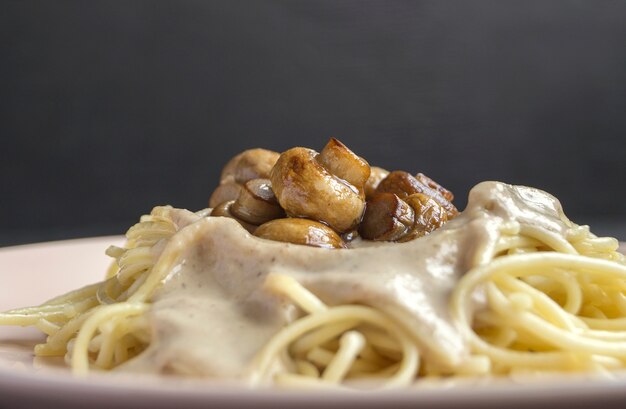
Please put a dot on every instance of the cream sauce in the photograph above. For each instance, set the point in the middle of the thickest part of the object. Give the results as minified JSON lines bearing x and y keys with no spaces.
{"x":211,"y":315}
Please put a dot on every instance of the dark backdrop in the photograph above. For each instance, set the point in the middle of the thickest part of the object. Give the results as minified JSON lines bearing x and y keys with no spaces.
{"x":110,"y":107}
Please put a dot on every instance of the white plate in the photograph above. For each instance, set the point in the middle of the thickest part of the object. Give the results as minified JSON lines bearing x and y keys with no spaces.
{"x":33,"y":273}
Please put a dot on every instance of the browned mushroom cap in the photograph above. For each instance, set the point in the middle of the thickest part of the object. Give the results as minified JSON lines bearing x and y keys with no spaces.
{"x":224,"y":210}
{"x":300,"y":231}
{"x":436,"y":186}
{"x":304,"y":188}
{"x":429,"y":215}
{"x":343,"y":163}
{"x":400,"y":183}
{"x":387,"y":217}
{"x":376,"y":176}
{"x":256,"y":203}
{"x":450,"y":209}
{"x":404,"y":184}
{"x":249,"y":164}
{"x":225,"y":192}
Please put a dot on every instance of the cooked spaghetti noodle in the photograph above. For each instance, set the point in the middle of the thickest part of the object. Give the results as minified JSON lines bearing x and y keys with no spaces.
{"x":104,"y":321}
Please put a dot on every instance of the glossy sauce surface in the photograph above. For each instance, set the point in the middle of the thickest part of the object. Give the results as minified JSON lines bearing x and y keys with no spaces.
{"x":211,"y":315}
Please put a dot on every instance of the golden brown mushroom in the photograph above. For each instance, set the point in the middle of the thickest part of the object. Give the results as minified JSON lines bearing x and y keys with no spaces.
{"x":387,"y":217}
{"x":249,"y":164}
{"x":403,"y":184}
{"x":436,"y":186}
{"x":429,"y":215}
{"x":255,"y":164}
{"x":328,"y":187}
{"x":306,"y":188}
{"x":343,"y":163}
{"x":400,"y":183}
{"x":300,"y":231}
{"x":225,"y":192}
{"x":376,"y":176}
{"x":224,"y":210}
{"x":256,"y":203}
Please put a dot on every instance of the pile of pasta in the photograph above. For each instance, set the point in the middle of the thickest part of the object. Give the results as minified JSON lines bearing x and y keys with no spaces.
{"x":553,"y":303}
{"x":104,"y":325}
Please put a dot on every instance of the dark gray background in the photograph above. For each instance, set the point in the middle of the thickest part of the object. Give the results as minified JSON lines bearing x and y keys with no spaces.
{"x":108,"y":108}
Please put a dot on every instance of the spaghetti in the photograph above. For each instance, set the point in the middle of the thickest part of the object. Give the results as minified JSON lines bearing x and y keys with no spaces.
{"x":533,"y":300}
{"x":104,"y":321}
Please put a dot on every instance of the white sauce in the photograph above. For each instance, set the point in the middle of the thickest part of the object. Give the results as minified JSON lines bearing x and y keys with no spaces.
{"x":211,"y":316}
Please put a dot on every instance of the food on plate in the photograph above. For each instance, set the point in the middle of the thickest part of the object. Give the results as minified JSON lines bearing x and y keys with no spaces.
{"x":316,"y":270}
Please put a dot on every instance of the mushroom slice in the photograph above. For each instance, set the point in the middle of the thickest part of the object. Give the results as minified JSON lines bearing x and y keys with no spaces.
{"x":436,"y":186}
{"x":225,"y":192}
{"x":345,"y":164}
{"x":450,"y":209}
{"x":224,"y":210}
{"x":404,"y":184}
{"x":300,"y":231}
{"x":387,"y":217}
{"x":376,"y":176}
{"x":256,"y":203}
{"x":304,"y":188}
{"x":400,"y":183}
{"x":429,"y":215}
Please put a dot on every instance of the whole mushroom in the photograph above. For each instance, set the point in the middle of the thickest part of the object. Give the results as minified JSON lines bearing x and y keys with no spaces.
{"x":249,"y":164}
{"x":328,"y":187}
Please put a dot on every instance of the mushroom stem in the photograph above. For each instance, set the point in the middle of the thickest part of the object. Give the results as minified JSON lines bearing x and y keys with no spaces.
{"x":345,"y":164}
